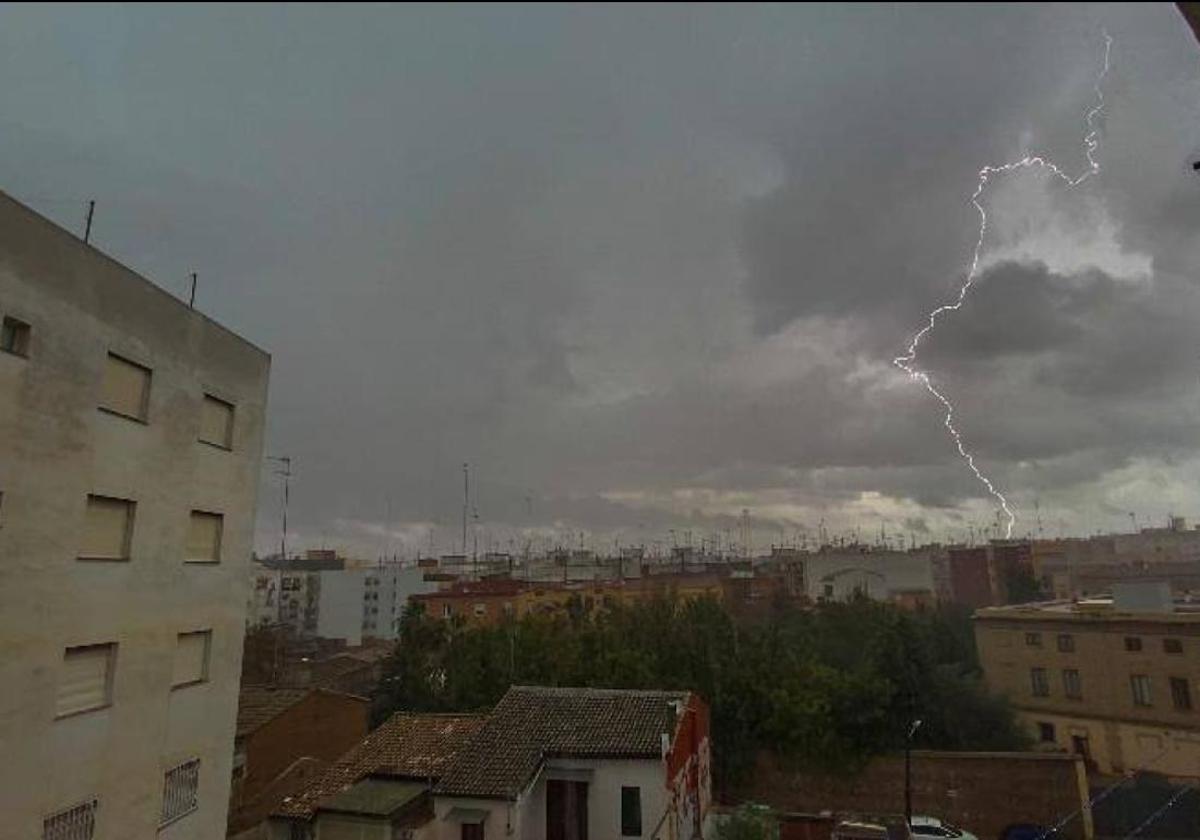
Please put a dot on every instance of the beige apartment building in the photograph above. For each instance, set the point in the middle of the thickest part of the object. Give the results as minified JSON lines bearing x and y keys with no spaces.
{"x":130,"y":446}
{"x":1115,"y":678}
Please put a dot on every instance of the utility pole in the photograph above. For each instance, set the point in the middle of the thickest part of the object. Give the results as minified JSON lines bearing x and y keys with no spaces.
{"x":466,"y":503}
{"x":912,"y":730}
{"x":286,"y":463}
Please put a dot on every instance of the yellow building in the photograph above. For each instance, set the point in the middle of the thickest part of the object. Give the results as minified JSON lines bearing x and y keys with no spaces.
{"x":1115,"y":681}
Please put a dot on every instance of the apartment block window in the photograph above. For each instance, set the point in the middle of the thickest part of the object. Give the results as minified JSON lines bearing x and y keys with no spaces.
{"x":75,"y":823}
{"x":1033,"y":639}
{"x":204,"y":537}
{"x":1040,"y":685}
{"x":179,"y":791}
{"x":107,"y":528}
{"x":126,"y":389}
{"x":85,"y":682}
{"x":1046,"y":733}
{"x":1072,"y":684}
{"x":446,"y":611}
{"x":14,"y":337}
{"x":1133,"y":644}
{"x":480,"y":609}
{"x":216,"y":422}
{"x":1181,"y":694}
{"x":1140,"y":683}
{"x":191,"y":658}
{"x":1172,"y":646}
{"x":631,"y":812}
{"x":1066,"y":643}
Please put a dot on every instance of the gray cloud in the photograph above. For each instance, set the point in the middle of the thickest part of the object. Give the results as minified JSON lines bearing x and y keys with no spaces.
{"x":645,"y":266}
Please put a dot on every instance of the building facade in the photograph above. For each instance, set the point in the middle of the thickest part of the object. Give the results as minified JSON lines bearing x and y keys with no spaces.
{"x":1114,"y":681}
{"x":351,"y":604}
{"x":130,"y":450}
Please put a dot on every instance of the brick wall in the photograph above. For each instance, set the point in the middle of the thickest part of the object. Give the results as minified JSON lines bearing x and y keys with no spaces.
{"x":981,"y":792}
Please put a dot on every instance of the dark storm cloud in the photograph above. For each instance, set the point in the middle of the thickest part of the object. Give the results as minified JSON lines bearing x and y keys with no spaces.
{"x":615,"y":256}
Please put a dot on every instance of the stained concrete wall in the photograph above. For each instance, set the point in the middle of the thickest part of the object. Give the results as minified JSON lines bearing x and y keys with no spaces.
{"x":56,"y":447}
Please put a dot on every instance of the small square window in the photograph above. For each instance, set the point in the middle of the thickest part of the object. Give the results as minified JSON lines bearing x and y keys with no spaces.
{"x":1046,"y":733}
{"x":1133,"y":644}
{"x":1033,"y":639}
{"x":192,"y":651}
{"x":1172,"y":646}
{"x":204,"y":537}
{"x":480,"y":609}
{"x":126,"y":388}
{"x":86,"y":679}
{"x":14,"y":337}
{"x":216,"y":422}
{"x":1066,"y":643}
{"x":107,"y":528}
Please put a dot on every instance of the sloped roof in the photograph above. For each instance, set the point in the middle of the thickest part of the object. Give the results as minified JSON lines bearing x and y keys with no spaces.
{"x":416,"y":746}
{"x":530,"y":724}
{"x":258,"y":704}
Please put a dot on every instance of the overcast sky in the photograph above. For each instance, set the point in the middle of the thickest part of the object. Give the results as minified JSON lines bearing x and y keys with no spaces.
{"x":646,"y":267}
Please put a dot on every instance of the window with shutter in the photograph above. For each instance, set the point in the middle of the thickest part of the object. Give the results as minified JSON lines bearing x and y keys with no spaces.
{"x":85,"y":682}
{"x":191,"y":658}
{"x":126,"y":389}
{"x":108,"y":525}
{"x":216,"y":422}
{"x":204,"y":537}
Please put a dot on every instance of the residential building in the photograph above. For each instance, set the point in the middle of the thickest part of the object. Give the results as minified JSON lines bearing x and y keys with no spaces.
{"x":1116,"y":679}
{"x":838,"y":574}
{"x":280,"y":733}
{"x":131,"y":431}
{"x":380,"y":788}
{"x":351,"y":604}
{"x":1082,"y":566}
{"x":574,"y":764}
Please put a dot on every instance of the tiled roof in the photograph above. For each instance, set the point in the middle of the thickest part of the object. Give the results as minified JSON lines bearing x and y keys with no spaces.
{"x":258,"y":704}
{"x":410,"y":745}
{"x":530,"y":724}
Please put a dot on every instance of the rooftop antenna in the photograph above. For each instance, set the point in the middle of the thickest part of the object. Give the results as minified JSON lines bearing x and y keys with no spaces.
{"x":286,"y":471}
{"x":1037,"y":512}
{"x":87,"y":228}
{"x":466,"y":503}
{"x":1133,"y":521}
{"x":192,"y":296}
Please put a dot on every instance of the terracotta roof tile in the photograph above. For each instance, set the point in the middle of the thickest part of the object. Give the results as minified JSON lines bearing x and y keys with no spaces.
{"x":409,"y":745}
{"x":530,"y":724}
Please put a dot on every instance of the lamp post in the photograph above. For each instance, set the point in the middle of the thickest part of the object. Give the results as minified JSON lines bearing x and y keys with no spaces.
{"x":912,"y":730}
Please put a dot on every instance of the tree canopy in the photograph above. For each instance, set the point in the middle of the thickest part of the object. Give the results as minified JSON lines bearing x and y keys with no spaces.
{"x":824,"y":687}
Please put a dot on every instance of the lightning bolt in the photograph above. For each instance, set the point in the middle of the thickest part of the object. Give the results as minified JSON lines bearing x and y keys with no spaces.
{"x":907,"y":362}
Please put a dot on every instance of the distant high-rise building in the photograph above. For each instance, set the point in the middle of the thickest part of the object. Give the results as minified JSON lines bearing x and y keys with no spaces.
{"x":131,"y":433}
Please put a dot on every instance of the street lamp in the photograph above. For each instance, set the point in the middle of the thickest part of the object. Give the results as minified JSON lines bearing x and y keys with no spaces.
{"x":912,"y":730}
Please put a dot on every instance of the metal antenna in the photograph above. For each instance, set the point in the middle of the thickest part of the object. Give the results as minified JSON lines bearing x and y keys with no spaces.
{"x":466,"y":503}
{"x":87,"y":228}
{"x":192,"y":296}
{"x":286,"y":472}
